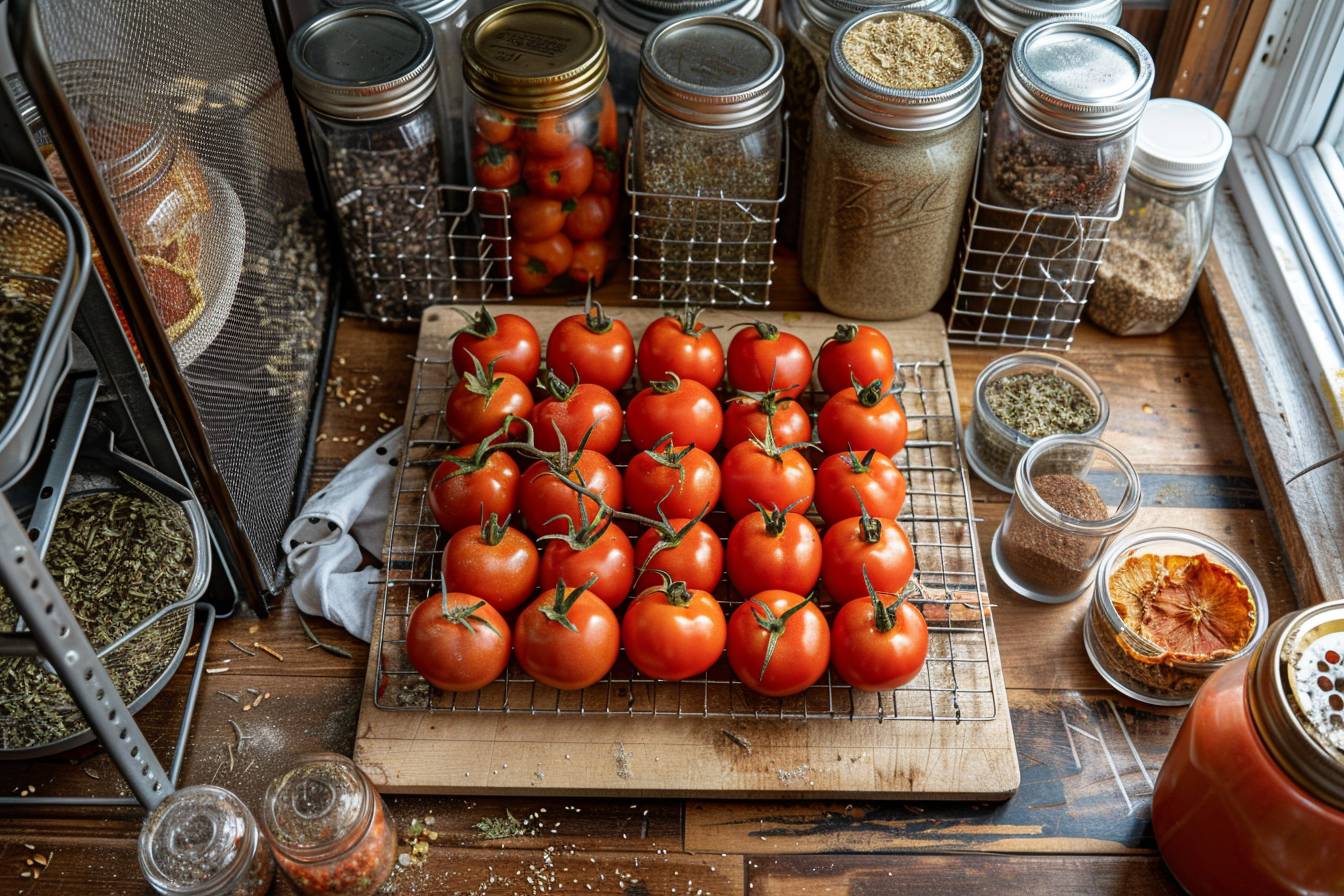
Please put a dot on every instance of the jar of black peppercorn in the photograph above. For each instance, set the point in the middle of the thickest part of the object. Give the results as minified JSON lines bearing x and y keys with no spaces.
{"x":203,"y":841}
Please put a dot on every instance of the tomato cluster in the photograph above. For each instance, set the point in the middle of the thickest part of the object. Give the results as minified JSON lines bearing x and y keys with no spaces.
{"x":539,"y":559}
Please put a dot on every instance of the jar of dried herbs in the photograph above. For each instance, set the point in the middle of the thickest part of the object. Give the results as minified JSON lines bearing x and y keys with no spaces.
{"x":202,"y":841}
{"x":708,"y":139}
{"x":895,"y":136}
{"x":1157,"y":248}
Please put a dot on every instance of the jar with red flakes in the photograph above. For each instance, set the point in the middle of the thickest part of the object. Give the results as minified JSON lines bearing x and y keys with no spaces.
{"x":543,"y":126}
{"x":330,"y":830}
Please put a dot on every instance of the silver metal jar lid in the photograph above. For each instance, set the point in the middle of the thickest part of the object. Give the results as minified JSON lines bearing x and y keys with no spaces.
{"x":1010,"y":17}
{"x":714,"y":71}
{"x":433,"y":11}
{"x":364,"y":63}
{"x":1079,"y":78}
{"x":829,"y":15}
{"x":892,"y":109}
{"x":642,"y":16}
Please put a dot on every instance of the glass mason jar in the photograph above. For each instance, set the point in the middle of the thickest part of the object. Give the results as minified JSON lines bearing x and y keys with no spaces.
{"x":1250,"y":798}
{"x":330,"y":830}
{"x":888,"y":173}
{"x":1156,"y":250}
{"x":203,"y":841}
{"x":709,"y":125}
{"x":545,"y":129}
{"x":366,"y":75}
{"x":1058,"y":523}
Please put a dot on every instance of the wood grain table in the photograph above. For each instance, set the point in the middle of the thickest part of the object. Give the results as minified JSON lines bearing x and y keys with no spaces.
{"x":1088,"y":756}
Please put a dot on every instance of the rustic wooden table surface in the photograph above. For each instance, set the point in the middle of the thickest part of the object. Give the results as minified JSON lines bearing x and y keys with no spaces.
{"x":1079,"y":823}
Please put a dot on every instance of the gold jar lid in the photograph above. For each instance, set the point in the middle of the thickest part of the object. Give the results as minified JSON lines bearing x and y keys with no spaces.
{"x":535,"y":55}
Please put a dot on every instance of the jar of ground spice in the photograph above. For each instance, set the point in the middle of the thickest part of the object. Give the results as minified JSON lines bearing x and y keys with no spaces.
{"x":1063,"y":515}
{"x":203,"y":841}
{"x":895,"y":136}
{"x":1157,"y":248}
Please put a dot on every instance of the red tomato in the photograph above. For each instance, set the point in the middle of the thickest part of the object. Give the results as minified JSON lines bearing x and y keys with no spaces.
{"x":877,"y":646}
{"x":471,"y":483}
{"x":458,"y":642}
{"x":563,"y":176}
{"x":678,"y":343}
{"x":778,"y":643}
{"x":861,"y":418}
{"x":595,"y":348}
{"x":686,"y":550}
{"x":672,"y":632}
{"x":606,"y":172}
{"x":854,"y":352}
{"x":765,"y":473}
{"x":494,"y":125}
{"x":547,"y":134}
{"x":762,"y":357}
{"x":555,"y":252}
{"x":590,"y":217}
{"x":571,"y":412}
{"x":509,"y":340}
{"x":536,"y":217}
{"x":496,"y":167}
{"x":844,"y":479}
{"x":590,"y":262}
{"x":598,"y":550}
{"x":543,"y":496}
{"x":683,"y":482}
{"x":496,"y":562}
{"x":746,"y":415}
{"x":607,"y":134}
{"x":568,"y":639}
{"x":529,"y":274}
{"x":870,"y":543}
{"x":685,"y":409}
{"x":774,"y":549}
{"x":480,"y":402}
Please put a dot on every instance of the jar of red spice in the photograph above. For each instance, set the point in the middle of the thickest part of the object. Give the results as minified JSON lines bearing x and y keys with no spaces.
{"x":1251,"y":796}
{"x":202,"y":841}
{"x":330,"y":830}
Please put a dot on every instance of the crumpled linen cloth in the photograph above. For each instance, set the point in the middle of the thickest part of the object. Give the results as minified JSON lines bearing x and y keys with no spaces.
{"x":322,"y":546}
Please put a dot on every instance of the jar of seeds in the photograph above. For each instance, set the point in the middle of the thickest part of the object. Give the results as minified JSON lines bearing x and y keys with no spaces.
{"x":366,"y":75}
{"x":1157,"y":248}
{"x":707,"y":143}
{"x":895,"y":136}
{"x":203,"y":841}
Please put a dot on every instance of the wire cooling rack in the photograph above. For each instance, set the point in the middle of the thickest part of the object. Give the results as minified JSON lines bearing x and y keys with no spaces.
{"x":955,"y":685}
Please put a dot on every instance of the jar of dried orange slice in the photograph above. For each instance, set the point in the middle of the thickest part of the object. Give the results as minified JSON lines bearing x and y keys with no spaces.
{"x":1171,"y":607}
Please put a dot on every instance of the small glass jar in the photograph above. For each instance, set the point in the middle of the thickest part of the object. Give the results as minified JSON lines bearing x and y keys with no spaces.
{"x":993,"y":448}
{"x":366,"y":75}
{"x":1157,"y":248}
{"x":1060,"y":520}
{"x":545,"y":127}
{"x":1134,"y":665}
{"x":331,"y":831}
{"x":202,"y":841}
{"x":888,"y":174}
{"x":1250,"y":798}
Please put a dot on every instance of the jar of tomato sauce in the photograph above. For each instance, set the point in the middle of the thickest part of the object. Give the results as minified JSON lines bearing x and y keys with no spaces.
{"x":543,"y":125}
{"x":1251,"y":796}
{"x":330,"y":830}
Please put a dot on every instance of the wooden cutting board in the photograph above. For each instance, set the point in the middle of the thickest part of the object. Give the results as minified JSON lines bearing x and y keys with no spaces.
{"x":945,"y":736}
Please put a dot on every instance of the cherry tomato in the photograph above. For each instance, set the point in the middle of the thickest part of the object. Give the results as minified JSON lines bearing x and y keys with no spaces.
{"x":762,"y":357}
{"x":685,"y":409}
{"x":509,"y":340}
{"x":746,"y":415}
{"x":845,"y":478}
{"x":529,"y":274}
{"x":536,"y":217}
{"x":683,"y":481}
{"x":542,"y":496}
{"x":496,"y":562}
{"x":472,"y":482}
{"x":596,"y":348}
{"x":876,"y":646}
{"x":496,"y":167}
{"x":590,"y":262}
{"x":672,"y":632}
{"x":860,"y":418}
{"x":778,"y":643}
{"x":547,"y":134}
{"x":598,"y":550}
{"x":494,"y":125}
{"x":854,"y":352}
{"x":481,"y":401}
{"x":590,"y":217}
{"x":555,"y":252}
{"x":686,"y":549}
{"x":562,"y":176}
{"x":458,"y":642}
{"x":573,"y":411}
{"x":774,"y":549}
{"x":567,"y":639}
{"x":678,"y":343}
{"x":765,"y":473}
{"x":875,"y":544}
{"x":606,"y":172}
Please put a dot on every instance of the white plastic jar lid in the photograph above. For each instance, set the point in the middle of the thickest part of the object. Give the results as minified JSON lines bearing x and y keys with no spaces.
{"x":1180,"y":144}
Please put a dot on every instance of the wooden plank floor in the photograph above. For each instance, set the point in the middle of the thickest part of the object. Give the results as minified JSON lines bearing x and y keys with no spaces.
{"x":1088,"y":756}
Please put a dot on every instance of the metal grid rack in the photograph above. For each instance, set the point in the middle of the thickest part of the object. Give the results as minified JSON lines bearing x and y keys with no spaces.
{"x":956,"y":684}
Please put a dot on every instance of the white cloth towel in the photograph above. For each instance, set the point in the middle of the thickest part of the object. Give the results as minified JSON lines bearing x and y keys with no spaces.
{"x":322,"y":546}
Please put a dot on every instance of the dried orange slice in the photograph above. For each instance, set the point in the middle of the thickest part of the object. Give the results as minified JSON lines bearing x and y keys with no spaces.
{"x":1191,"y":608}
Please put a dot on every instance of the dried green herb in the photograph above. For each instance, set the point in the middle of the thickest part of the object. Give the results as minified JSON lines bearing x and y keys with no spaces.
{"x":1040,"y":404}
{"x":21,"y":323}
{"x":500,"y":828}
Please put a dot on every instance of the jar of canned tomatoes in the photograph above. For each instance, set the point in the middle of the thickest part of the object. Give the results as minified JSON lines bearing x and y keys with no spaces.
{"x":543,"y":123}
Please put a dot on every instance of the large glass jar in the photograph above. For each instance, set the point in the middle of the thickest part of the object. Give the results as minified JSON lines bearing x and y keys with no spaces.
{"x":1157,"y":248}
{"x":545,"y":128}
{"x":331,"y":831}
{"x":366,"y":75}
{"x":1250,"y":798}
{"x":890,"y":166}
{"x":708,"y":125}
{"x":203,"y":841}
